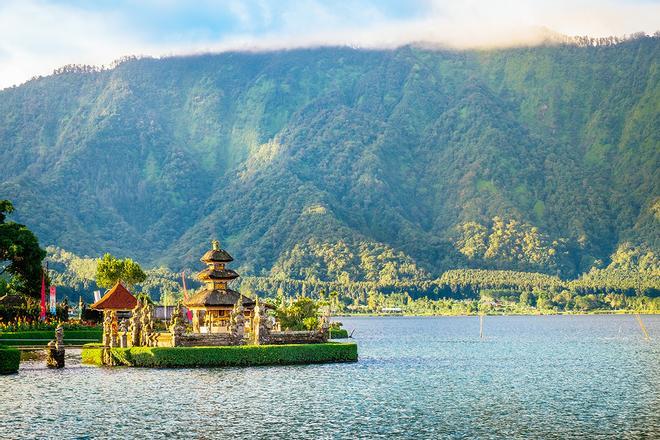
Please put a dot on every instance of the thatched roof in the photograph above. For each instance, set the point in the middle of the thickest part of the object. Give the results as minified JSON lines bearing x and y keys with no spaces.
{"x":217,"y":298}
{"x":117,"y":298}
{"x":216,"y":256}
{"x":217,"y":274}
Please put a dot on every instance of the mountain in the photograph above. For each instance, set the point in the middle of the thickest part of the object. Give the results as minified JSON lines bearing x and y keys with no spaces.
{"x":339,"y":163}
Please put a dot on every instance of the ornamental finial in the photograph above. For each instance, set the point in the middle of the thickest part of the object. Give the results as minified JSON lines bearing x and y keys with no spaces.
{"x":216,"y":245}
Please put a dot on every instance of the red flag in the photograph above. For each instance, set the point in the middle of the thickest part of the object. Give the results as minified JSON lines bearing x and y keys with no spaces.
{"x":42,"y":315}
{"x":185,"y":294}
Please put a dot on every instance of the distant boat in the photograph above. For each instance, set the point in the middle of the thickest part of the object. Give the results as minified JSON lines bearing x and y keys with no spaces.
{"x":392,"y":310}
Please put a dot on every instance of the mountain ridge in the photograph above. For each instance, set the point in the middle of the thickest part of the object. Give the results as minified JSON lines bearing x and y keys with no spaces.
{"x":294,"y":159}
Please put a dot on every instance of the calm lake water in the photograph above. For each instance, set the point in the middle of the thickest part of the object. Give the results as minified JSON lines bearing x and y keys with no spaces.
{"x":532,"y":377}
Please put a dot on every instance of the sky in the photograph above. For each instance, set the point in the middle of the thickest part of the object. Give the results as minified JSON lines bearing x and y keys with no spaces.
{"x":38,"y":36}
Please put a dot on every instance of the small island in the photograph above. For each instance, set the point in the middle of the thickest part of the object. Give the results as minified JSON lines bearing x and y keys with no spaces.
{"x":227,"y":329}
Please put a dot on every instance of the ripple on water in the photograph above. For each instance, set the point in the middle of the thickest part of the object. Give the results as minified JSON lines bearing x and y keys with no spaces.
{"x":532,"y":377}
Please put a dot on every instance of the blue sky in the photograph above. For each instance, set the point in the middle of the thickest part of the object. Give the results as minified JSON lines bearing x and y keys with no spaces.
{"x":37,"y":36}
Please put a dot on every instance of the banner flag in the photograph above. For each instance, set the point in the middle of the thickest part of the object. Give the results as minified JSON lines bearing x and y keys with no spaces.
{"x":185,"y":294}
{"x":42,"y":313}
{"x":97,"y":295}
{"x":53,"y":300}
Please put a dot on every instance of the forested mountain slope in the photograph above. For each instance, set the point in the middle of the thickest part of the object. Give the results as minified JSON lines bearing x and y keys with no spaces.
{"x":337,"y":163}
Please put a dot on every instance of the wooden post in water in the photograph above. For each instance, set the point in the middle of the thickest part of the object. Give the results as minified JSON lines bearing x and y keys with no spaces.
{"x":642,"y":326}
{"x":481,"y":326}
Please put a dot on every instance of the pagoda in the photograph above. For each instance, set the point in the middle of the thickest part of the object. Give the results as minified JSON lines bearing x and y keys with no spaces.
{"x":211,"y":307}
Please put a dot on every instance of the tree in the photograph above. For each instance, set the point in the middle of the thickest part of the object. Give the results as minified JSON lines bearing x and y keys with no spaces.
{"x":111,"y":270}
{"x":301,"y":314}
{"x":20,"y":254}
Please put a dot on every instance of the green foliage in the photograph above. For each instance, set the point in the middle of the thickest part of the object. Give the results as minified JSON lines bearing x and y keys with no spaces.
{"x":300,"y":314}
{"x":110,"y":270}
{"x":91,"y":354}
{"x":91,"y":333}
{"x":20,"y":256}
{"x":336,"y":164}
{"x":165,"y":285}
{"x":460,"y":291}
{"x":338,"y":333}
{"x":10,"y":359}
{"x":225,"y":356}
{"x":76,"y":277}
{"x":508,"y":244}
{"x":144,"y":297}
{"x":41,"y":337}
{"x":24,"y":307}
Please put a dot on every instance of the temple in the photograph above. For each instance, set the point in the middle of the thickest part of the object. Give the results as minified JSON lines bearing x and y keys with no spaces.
{"x":220,"y":316}
{"x":212,"y":306}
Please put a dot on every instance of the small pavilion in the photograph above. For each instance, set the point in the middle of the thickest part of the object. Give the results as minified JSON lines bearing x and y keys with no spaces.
{"x":117,"y":299}
{"x":211,"y":307}
{"x":117,"y":303}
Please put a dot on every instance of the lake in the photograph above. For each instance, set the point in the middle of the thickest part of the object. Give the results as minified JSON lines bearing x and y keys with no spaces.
{"x":531,"y":377}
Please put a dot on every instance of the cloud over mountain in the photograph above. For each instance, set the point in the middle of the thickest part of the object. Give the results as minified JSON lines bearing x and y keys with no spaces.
{"x":37,"y":36}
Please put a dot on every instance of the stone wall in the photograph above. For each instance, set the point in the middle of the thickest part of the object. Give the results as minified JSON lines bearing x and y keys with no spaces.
{"x":215,"y":339}
{"x":204,"y":339}
{"x":297,"y":337}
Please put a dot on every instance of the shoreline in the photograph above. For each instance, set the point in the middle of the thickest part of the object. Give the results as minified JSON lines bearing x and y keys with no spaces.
{"x":449,"y":315}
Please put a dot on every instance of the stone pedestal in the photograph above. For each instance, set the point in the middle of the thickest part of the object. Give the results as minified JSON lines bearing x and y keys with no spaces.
{"x":55,"y":350}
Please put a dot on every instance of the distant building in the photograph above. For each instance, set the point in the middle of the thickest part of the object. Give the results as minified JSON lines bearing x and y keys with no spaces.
{"x":393,"y":310}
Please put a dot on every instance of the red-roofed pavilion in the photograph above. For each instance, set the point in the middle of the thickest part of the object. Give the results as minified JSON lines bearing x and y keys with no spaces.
{"x":118,"y":299}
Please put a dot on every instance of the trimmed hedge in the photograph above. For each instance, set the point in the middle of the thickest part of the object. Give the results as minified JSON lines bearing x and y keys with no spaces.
{"x":338,"y":333}
{"x":10,"y":358}
{"x":91,"y":354}
{"x":225,"y":356}
{"x":42,"y":337}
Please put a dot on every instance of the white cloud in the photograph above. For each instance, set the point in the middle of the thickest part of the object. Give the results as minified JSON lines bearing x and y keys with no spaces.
{"x":37,"y":37}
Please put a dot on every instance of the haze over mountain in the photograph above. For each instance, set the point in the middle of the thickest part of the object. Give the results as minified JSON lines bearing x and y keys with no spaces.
{"x":336,"y":163}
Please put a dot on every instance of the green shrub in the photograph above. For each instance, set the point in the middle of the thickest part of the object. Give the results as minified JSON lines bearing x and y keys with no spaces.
{"x":339,"y":333}
{"x":95,"y":334}
{"x":42,"y":337}
{"x":91,"y":354}
{"x":301,"y":314}
{"x":10,"y":358}
{"x":245,"y":355}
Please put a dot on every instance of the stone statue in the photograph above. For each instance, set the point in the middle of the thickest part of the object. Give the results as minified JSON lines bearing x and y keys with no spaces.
{"x":59,"y":338}
{"x":107,"y":329}
{"x":260,"y":325}
{"x":176,"y":314}
{"x":324,"y":328}
{"x":208,"y":322}
{"x":177,"y":328}
{"x":237,"y":322}
{"x":195,"y":321}
{"x":81,"y":308}
{"x":123,"y":334}
{"x":55,"y":350}
{"x":134,"y":324}
{"x":114,"y":335}
{"x":146,"y":324}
